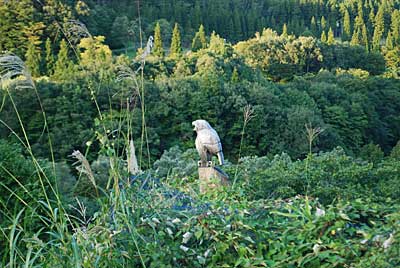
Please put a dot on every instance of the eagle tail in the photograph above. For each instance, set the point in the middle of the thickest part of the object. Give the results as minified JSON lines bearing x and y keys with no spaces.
{"x":221,"y":158}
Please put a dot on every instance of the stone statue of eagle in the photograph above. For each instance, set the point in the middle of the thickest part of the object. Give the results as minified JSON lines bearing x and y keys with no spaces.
{"x":207,"y":142}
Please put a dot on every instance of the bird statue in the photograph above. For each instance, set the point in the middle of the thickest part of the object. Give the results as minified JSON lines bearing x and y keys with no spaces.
{"x":207,"y":143}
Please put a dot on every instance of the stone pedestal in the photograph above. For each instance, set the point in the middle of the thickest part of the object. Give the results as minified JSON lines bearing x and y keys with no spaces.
{"x":211,"y":177}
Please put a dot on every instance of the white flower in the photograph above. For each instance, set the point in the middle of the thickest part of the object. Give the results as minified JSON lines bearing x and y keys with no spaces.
{"x":201,"y":260}
{"x":207,"y":253}
{"x":184,"y":248}
{"x":176,"y":220}
{"x":316,"y":248}
{"x":155,"y":220}
{"x":186,"y":237}
{"x":320,"y":212}
{"x":388,"y":242}
{"x":169,"y":231}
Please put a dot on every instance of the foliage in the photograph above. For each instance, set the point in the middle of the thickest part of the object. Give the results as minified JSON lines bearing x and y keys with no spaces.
{"x":224,"y":229}
{"x":327,"y":176}
{"x":302,"y":202}
{"x":175,"y":163}
{"x":176,"y":42}
{"x":199,"y":40}
{"x":158,"y":45}
{"x":63,"y":67}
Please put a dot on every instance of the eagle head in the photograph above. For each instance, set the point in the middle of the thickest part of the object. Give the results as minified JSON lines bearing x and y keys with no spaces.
{"x":200,"y":124}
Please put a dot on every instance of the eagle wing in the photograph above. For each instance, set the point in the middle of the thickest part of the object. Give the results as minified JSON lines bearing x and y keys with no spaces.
{"x":208,"y":141}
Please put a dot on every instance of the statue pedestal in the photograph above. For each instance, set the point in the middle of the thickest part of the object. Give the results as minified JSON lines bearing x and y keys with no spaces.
{"x":211,"y":177}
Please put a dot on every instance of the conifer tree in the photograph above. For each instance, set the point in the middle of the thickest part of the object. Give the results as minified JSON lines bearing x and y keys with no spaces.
{"x":360,"y":36}
{"x":355,"y":40}
{"x":49,"y":57}
{"x":379,"y":28}
{"x":63,"y":66}
{"x":331,"y":37}
{"x":237,"y":24}
{"x":176,"y":41}
{"x":313,"y":26}
{"x":235,"y":76}
{"x":389,"y":41}
{"x":365,"y":41}
{"x":395,"y":26}
{"x":323,"y":23}
{"x":199,"y":40}
{"x":158,"y":49}
{"x":33,"y":58}
{"x":323,"y":37}
{"x":346,"y":25}
{"x":197,"y":14}
{"x":284,"y":30}
{"x":371,"y":19}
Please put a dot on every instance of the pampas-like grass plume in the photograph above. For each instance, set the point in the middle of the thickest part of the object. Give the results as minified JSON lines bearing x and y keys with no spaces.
{"x":75,"y":30}
{"x":14,"y":73}
{"x":84,"y":167}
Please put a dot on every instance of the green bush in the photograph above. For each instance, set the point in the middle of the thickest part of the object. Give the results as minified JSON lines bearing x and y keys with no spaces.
{"x":328,"y":176}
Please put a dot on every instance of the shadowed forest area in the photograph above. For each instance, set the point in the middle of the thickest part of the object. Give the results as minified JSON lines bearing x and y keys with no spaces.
{"x":98,"y":166}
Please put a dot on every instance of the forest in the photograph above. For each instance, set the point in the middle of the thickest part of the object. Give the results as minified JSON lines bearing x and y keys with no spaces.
{"x":98,"y":166}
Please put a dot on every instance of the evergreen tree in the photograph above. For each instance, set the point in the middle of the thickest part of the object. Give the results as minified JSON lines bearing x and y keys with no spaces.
{"x":331,"y":37}
{"x":197,"y":14}
{"x":63,"y":66}
{"x":237,"y":24}
{"x":379,"y":28}
{"x":323,"y":23}
{"x":355,"y":40}
{"x":120,"y":32}
{"x":176,"y":41}
{"x":16,"y":22}
{"x":389,"y":41}
{"x":323,"y":37}
{"x":284,"y":30}
{"x":360,"y":36}
{"x":365,"y":41}
{"x":313,"y":26}
{"x":158,"y":49}
{"x":199,"y":40}
{"x":235,"y":76}
{"x":49,"y":57}
{"x":395,"y":26}
{"x":346,"y":26}
{"x":33,"y":59}
{"x":371,"y":20}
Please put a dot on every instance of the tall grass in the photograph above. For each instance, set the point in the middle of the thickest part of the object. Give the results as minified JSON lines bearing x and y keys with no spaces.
{"x":62,"y":239}
{"x":248,"y":114}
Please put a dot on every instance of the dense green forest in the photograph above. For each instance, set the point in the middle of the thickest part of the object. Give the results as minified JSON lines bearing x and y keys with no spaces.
{"x":305,"y":96}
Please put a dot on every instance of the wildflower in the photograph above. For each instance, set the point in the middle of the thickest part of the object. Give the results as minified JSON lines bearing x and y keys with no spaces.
{"x":201,"y":260}
{"x":186,"y":237}
{"x":169,"y":231}
{"x":316,"y":248}
{"x":176,"y":220}
{"x":320,"y":212}
{"x":156,"y":220}
{"x":184,"y":248}
{"x":388,"y":242}
{"x":208,"y":251}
